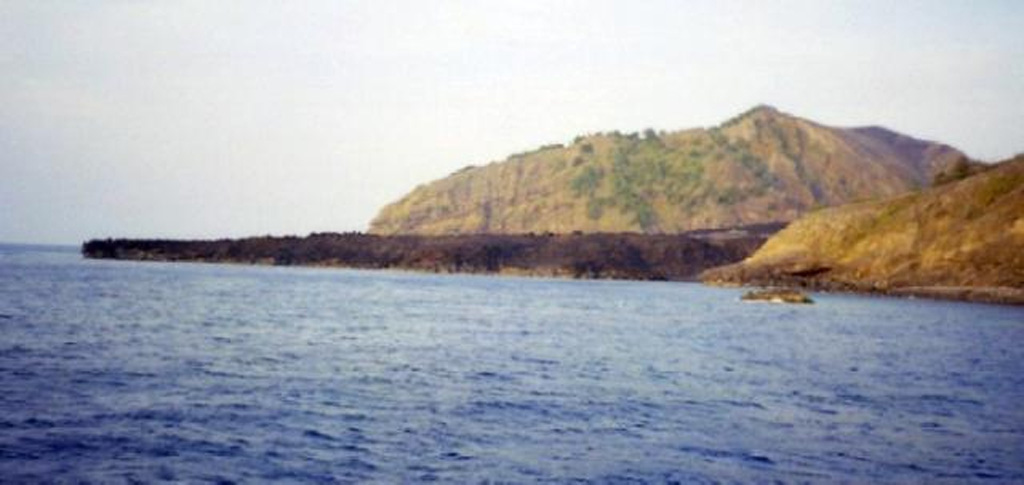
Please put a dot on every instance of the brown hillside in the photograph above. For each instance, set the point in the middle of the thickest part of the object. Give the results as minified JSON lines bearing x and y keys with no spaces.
{"x":962,"y":234}
{"x":761,"y":166}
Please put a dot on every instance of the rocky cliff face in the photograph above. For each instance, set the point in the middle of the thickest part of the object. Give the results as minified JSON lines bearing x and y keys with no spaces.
{"x":761,"y":166}
{"x":961,"y":234}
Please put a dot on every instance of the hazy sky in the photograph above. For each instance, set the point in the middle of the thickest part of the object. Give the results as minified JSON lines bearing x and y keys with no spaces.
{"x":220,"y":118}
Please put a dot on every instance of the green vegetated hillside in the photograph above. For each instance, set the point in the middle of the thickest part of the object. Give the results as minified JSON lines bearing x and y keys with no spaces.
{"x":761,"y":166}
{"x":950,"y":240}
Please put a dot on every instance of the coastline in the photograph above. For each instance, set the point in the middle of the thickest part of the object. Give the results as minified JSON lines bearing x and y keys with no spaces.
{"x":624,"y":256}
{"x":999,"y":295}
{"x":1002,"y":295}
{"x":713,"y":259}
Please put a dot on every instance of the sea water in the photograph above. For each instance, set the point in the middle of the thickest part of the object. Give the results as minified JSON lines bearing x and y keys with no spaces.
{"x":141,"y":372}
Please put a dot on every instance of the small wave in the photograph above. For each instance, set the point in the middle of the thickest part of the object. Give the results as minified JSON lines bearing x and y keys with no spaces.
{"x":714,"y":454}
{"x":225,"y":374}
{"x":455,"y":456}
{"x":37,"y":423}
{"x":312,"y":433}
{"x":821,"y":410}
{"x":160,"y":415}
{"x":357,"y":465}
{"x":492,"y":376}
{"x":16,"y":350}
{"x":740,"y":404}
{"x":568,"y":430}
{"x":534,"y":360}
{"x":476,"y":408}
{"x":943,"y":399}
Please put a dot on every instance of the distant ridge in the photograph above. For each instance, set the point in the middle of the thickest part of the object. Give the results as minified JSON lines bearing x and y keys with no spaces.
{"x":761,"y":166}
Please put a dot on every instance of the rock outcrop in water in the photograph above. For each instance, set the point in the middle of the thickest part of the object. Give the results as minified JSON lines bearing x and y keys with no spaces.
{"x":620,"y":256}
{"x":762,"y":166}
{"x":777,"y":295}
{"x":963,"y":239}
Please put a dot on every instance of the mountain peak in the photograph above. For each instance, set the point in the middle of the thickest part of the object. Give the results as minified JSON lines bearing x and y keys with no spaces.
{"x":764,"y":165}
{"x":758,"y":112}
{"x":764,"y":109}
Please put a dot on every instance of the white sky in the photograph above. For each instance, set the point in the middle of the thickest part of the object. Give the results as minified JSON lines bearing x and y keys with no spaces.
{"x":234,"y":118}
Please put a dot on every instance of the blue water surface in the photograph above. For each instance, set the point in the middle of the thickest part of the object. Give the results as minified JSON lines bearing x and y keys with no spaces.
{"x":144,"y":372}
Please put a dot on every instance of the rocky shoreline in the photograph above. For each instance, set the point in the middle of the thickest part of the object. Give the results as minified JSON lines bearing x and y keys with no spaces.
{"x":817,"y":279}
{"x":678,"y":257}
{"x":777,"y":295}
